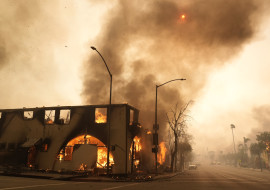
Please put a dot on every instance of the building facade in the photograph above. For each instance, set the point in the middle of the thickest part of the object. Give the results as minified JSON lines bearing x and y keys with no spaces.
{"x":69,"y":138}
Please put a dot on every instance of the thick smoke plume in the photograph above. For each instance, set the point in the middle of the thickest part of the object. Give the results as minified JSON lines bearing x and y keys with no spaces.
{"x":261,"y":115}
{"x":32,"y":35}
{"x":147,"y":43}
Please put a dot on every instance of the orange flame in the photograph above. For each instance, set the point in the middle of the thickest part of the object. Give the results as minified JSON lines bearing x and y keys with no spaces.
{"x":87,"y":139}
{"x":148,"y":133}
{"x":137,"y":149}
{"x":102,"y":157}
{"x":162,"y":153}
{"x":100,"y":118}
{"x":267,"y":146}
{"x":137,"y":144}
{"x":182,"y":18}
{"x":83,"y":167}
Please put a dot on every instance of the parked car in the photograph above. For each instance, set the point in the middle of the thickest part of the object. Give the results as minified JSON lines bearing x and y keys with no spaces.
{"x":192,"y":166}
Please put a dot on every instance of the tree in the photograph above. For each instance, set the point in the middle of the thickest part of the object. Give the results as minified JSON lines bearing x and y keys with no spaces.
{"x":177,"y":119}
{"x":264,"y":138}
{"x":242,"y":152}
{"x":257,"y":149}
{"x":184,"y":148}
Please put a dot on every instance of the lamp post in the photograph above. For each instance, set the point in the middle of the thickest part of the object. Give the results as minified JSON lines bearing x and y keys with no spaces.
{"x":233,"y":127}
{"x":155,"y":135}
{"x":109,"y":115}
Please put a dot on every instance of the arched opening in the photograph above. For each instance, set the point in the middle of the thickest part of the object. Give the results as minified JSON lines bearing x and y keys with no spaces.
{"x":66,"y":153}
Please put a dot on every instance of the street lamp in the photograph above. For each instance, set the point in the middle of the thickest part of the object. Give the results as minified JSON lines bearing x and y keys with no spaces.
{"x":233,"y":127}
{"x":155,"y":135}
{"x":109,"y":115}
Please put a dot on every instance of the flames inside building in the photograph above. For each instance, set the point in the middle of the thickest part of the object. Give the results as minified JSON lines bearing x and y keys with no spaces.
{"x":72,"y":138}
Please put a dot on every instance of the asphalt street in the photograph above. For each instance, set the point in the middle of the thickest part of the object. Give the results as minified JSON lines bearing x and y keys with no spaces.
{"x":204,"y":178}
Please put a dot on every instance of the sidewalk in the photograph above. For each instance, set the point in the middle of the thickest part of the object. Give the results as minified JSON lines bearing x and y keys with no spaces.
{"x":85,"y":178}
{"x":132,"y":178}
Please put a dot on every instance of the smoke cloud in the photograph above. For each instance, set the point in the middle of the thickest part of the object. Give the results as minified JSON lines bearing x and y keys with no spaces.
{"x":143,"y":42}
{"x":261,"y":115}
{"x":34,"y":39}
{"x":147,"y":43}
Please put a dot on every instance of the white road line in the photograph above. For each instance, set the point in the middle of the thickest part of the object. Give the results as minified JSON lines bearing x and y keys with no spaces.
{"x":32,"y":186}
{"x":117,"y":187}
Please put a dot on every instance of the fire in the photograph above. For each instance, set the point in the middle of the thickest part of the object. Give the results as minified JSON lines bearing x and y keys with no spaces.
{"x":102,"y":157}
{"x":137,"y":148}
{"x":182,"y":18}
{"x":137,"y":144}
{"x":268,"y":146}
{"x":100,"y":118}
{"x":49,"y":121}
{"x":136,"y":163}
{"x":162,"y":154}
{"x":87,"y":139}
{"x":83,"y":167}
{"x":148,"y":133}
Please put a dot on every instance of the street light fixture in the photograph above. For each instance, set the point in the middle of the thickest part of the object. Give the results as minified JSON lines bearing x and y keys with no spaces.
{"x":155,"y":135}
{"x":109,"y":115}
{"x":233,"y":127}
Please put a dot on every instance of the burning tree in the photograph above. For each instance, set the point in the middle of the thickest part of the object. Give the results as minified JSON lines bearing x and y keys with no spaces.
{"x":177,"y":119}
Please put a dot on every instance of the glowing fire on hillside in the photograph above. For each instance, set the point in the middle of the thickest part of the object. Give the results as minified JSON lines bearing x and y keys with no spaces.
{"x":162,"y":153}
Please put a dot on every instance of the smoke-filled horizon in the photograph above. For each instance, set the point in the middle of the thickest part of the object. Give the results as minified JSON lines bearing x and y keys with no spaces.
{"x":46,"y":60}
{"x":148,"y":43}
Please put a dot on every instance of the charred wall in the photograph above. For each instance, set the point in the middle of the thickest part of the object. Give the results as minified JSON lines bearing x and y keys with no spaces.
{"x":23,"y":132}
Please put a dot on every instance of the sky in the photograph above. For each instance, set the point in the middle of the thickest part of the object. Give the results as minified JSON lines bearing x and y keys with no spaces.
{"x":220,"y":48}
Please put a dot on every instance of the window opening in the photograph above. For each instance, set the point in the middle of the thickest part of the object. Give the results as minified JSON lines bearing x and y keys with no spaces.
{"x":131,"y":116}
{"x":44,"y":147}
{"x":101,"y":115}
{"x":64,"y":116}
{"x":28,"y":114}
{"x":2,"y":146}
{"x":49,"y":116}
{"x":135,"y":151}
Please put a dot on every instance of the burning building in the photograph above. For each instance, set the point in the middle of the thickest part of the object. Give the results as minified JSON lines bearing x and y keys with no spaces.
{"x":70,"y":137}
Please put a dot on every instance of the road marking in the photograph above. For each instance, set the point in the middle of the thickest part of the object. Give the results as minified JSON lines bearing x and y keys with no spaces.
{"x":33,"y":186}
{"x":222,"y":181}
{"x":117,"y":187}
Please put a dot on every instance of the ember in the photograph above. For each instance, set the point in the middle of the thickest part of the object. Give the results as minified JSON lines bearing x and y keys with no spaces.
{"x":83,"y":167}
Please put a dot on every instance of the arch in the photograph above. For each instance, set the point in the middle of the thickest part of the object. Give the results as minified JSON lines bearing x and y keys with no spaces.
{"x":66,"y":152}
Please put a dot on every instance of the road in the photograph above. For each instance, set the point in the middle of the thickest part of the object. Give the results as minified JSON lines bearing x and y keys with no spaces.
{"x":204,"y":178}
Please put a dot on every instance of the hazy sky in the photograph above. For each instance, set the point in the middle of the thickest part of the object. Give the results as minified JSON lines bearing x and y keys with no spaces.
{"x":221,"y":49}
